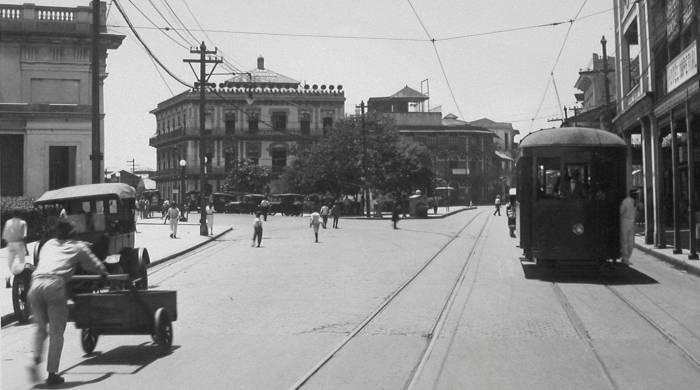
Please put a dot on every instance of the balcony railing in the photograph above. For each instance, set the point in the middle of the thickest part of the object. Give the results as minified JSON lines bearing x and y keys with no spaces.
{"x":29,"y":17}
{"x":164,"y":137}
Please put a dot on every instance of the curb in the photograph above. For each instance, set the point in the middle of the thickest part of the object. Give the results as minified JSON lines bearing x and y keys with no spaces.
{"x":678,"y":263}
{"x":9,"y":318}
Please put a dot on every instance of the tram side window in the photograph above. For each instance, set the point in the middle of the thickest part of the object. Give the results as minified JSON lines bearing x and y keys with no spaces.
{"x":548,"y":176}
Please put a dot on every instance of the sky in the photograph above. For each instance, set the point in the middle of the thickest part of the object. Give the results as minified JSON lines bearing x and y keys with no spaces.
{"x":473,"y":69}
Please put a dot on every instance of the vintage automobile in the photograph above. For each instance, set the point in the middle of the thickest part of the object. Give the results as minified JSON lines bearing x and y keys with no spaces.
{"x":104,"y":216}
{"x":220,"y":199}
{"x":288,"y":204}
{"x":120,"y":303}
{"x":247,"y":204}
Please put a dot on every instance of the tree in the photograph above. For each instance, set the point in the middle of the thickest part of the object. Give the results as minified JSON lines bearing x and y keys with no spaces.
{"x":334,"y":164}
{"x":247,"y":176}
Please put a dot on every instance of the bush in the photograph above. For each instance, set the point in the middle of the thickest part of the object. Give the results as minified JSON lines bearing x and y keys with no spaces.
{"x":35,"y":220}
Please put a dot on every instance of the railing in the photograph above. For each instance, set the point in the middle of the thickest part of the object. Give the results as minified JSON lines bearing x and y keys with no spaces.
{"x":29,"y":17}
{"x":159,"y":138}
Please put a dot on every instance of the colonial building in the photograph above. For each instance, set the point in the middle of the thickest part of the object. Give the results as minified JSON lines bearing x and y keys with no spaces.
{"x":463,"y":154}
{"x":658,"y":102}
{"x":597,"y":97}
{"x":45,"y":96}
{"x":505,"y":150}
{"x":259,"y":115}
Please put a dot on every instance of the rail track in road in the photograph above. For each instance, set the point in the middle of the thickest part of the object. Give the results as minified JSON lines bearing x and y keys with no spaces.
{"x":438,"y":321}
{"x":583,"y":333}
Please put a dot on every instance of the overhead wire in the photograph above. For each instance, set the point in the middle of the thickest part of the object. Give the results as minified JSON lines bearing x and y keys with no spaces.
{"x":437,"y":54}
{"x":148,"y":50}
{"x":170,"y":25}
{"x":556,"y":61}
{"x":388,"y":38}
{"x":227,"y":63}
{"x":167,"y":5}
{"x":162,"y":30}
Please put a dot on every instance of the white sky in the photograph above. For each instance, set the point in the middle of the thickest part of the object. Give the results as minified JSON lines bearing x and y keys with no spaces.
{"x":500,"y":76}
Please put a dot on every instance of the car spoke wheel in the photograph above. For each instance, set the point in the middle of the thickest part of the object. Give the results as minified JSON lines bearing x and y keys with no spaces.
{"x":163,"y":330}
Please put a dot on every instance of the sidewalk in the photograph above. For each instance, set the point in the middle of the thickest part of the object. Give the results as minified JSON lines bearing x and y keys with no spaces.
{"x":677,"y":260}
{"x":151,"y":234}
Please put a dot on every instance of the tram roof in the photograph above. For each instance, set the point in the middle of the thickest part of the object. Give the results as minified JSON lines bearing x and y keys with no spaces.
{"x":571,"y":136}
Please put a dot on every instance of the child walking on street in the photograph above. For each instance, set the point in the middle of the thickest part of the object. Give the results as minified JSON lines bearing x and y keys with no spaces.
{"x":315,"y":222}
{"x":257,"y":230}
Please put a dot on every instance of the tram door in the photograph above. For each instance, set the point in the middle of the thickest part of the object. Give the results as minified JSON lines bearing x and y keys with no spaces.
{"x":525,"y":191}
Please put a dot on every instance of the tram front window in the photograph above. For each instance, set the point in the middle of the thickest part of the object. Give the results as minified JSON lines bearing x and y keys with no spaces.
{"x":548,"y":177}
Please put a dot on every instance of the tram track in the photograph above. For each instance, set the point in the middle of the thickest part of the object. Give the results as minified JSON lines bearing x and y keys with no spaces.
{"x":580,"y":328}
{"x":438,"y":323}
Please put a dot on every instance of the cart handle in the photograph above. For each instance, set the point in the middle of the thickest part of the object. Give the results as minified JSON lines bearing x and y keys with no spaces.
{"x":100,"y":277}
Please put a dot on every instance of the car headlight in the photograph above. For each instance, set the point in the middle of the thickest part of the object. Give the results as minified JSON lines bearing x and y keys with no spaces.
{"x":577,"y":229}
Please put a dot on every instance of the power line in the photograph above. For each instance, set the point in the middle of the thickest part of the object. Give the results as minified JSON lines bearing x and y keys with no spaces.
{"x":384,"y":38}
{"x":228,"y":65}
{"x":556,"y":61}
{"x":190,"y":43}
{"x":437,"y":54}
{"x":178,"y":19}
{"x":148,"y":50}
{"x":162,"y":30}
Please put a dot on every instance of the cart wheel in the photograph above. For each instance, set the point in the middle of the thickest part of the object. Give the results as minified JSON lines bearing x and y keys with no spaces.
{"x":163,"y":329}
{"x":20,"y":304}
{"x":88,"y":339}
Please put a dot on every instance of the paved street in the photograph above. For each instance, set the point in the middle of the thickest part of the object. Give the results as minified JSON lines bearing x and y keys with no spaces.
{"x":356,"y":311}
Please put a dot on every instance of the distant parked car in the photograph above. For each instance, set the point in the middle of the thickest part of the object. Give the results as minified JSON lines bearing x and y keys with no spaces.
{"x":221,"y":199}
{"x":247,"y":204}
{"x":288,"y":204}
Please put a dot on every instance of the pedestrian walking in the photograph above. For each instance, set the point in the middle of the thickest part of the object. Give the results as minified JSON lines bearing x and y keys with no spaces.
{"x":209,"y":210}
{"x":396,"y":215}
{"x":315,"y":222}
{"x":325,"y":211}
{"x":335,"y":212}
{"x":497,"y":203}
{"x":510,"y":213}
{"x":257,"y":229}
{"x":48,"y":297}
{"x":627,"y":218}
{"x":164,"y":211}
{"x":15,"y":234}
{"x":174,"y":216}
{"x":265,"y":208}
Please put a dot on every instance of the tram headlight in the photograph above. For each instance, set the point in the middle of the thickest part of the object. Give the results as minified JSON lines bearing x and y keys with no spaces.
{"x":577,"y":229}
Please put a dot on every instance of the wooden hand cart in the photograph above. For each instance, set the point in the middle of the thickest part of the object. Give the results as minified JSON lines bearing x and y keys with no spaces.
{"x":123,"y":309}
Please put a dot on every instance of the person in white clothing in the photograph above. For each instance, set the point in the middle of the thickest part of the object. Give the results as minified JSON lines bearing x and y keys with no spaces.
{"x":15,"y":233}
{"x":627,"y":217}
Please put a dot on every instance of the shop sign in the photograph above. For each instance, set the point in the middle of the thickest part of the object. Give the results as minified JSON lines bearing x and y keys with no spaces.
{"x":682,"y":68}
{"x":633,"y":96}
{"x":459,"y":171}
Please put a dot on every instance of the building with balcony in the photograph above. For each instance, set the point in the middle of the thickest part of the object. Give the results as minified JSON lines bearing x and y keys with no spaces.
{"x":463,"y":154}
{"x":597,"y":97}
{"x":45,"y":96}
{"x":259,"y":115}
{"x":658,"y":101}
{"x":506,"y":150}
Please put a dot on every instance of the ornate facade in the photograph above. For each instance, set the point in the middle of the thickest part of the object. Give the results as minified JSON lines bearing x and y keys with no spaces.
{"x":259,"y":115}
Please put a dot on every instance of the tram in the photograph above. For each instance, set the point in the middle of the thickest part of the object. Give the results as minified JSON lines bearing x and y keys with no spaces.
{"x":570,"y":185}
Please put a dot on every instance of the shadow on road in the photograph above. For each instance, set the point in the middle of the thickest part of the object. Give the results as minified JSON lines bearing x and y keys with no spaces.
{"x":132,"y":355}
{"x":608,"y":274}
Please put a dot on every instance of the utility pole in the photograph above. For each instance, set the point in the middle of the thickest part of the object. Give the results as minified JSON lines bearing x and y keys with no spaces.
{"x":202,"y":83}
{"x":96,"y":155}
{"x":365,"y":190}
{"x":133,"y":165}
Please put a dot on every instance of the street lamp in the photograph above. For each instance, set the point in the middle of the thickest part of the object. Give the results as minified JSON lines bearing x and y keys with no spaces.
{"x":183,"y":164}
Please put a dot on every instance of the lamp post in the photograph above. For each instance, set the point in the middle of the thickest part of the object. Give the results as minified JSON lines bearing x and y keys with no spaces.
{"x":183,"y":164}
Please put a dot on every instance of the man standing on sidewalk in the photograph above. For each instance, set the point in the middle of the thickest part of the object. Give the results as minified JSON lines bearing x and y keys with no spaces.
{"x":48,"y":296}
{"x":15,"y":233}
{"x":627,"y":217}
{"x":257,"y":229}
{"x":209,"y":210}
{"x":335,"y":212}
{"x":174,"y":215}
